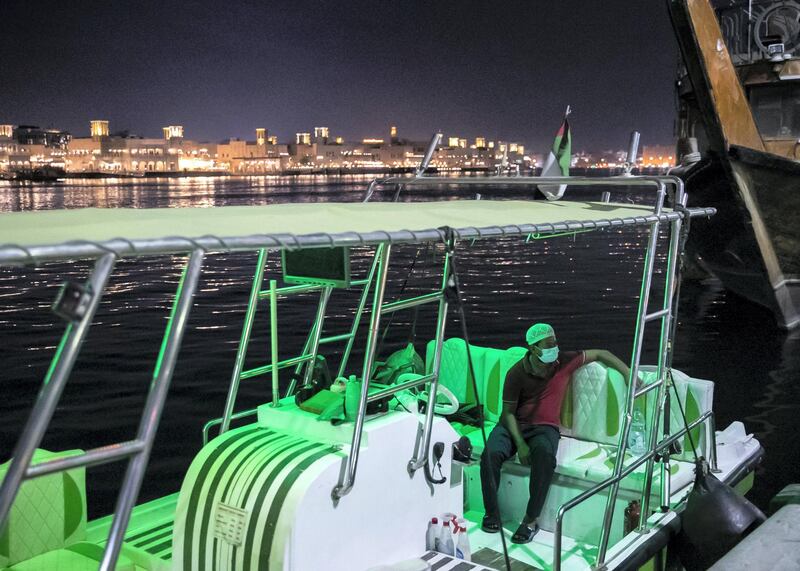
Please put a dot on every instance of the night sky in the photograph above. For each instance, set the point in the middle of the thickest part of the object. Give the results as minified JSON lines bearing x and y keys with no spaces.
{"x":498,"y":69}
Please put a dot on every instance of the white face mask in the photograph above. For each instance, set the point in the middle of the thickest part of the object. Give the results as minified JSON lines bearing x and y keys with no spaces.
{"x":548,"y":355}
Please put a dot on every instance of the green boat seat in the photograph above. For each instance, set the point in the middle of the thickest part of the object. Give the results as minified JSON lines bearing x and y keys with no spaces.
{"x":592,"y":410}
{"x":591,"y":421}
{"x":76,"y":557}
{"x":49,"y":513}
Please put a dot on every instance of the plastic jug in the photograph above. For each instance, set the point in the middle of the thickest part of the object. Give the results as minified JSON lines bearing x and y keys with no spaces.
{"x":637,"y":437}
{"x":430,"y":536}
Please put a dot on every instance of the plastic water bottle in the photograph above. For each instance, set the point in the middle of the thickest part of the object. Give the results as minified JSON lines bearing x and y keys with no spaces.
{"x":463,"y":550}
{"x":430,"y":537}
{"x":456,"y":542}
{"x":446,"y":540}
{"x":636,"y":437}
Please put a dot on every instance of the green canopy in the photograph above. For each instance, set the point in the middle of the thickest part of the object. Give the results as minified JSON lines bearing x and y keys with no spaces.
{"x":29,"y":236}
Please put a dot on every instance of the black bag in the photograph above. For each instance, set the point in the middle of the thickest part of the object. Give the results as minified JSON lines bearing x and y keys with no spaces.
{"x":320,"y":379}
{"x":716,"y":518}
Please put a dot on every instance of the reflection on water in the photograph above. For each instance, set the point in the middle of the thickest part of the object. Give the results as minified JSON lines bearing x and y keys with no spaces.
{"x":587,"y":286}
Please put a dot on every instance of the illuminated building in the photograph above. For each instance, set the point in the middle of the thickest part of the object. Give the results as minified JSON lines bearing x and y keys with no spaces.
{"x":657,"y":156}
{"x":123,"y":153}
{"x":173,"y":132}
{"x":33,"y":135}
{"x":321,"y":134}
{"x":98,"y":128}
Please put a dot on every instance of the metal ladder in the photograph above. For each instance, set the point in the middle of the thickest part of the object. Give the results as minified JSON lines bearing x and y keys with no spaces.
{"x":137,"y":450}
{"x":379,"y":308}
{"x":665,"y":315}
{"x":310,"y":348}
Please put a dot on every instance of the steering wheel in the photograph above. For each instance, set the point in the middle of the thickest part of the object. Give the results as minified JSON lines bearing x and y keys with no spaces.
{"x":451,"y":404}
{"x":446,"y":401}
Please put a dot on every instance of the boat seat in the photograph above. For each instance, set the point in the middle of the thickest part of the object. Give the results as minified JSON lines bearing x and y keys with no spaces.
{"x":47,"y":523}
{"x":591,"y":421}
{"x":592,"y":410}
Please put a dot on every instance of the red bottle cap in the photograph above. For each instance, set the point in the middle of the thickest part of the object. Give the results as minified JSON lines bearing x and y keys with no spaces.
{"x":435,"y":520}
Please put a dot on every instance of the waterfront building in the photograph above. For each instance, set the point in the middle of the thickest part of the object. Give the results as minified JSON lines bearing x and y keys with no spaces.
{"x":658,"y":156}
{"x":321,"y":134}
{"x":34,"y":135}
{"x":302,"y":138}
{"x":251,"y":157}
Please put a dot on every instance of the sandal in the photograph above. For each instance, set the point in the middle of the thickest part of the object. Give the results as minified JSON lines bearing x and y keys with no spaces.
{"x":490,"y":524}
{"x":524,"y":534}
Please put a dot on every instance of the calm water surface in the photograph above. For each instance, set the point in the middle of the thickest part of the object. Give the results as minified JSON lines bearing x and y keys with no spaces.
{"x":587,"y":286}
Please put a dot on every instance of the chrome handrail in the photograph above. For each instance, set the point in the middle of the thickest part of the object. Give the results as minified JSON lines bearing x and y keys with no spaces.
{"x":211,"y":423}
{"x":579,"y":499}
{"x":349,"y":476}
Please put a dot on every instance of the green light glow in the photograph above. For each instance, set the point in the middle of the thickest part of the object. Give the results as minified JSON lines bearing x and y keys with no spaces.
{"x":169,"y":324}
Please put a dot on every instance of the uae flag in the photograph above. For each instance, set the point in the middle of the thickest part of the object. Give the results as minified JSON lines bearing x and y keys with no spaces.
{"x":557,"y":163}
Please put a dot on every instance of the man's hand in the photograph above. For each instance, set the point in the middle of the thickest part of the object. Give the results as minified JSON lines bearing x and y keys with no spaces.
{"x":524,"y":454}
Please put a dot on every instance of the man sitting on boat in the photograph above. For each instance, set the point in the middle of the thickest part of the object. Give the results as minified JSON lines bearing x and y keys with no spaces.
{"x":529,"y":423}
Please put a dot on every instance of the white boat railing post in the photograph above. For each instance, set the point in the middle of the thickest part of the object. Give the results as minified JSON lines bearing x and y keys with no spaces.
{"x":159,"y":387}
{"x":369,"y":358}
{"x":273,"y":341}
{"x":316,"y":333}
{"x":52,"y":387}
{"x":244,"y":341}
{"x":633,"y":151}
{"x":420,"y":457}
{"x":362,"y":303}
{"x":426,"y":160}
{"x":641,"y":320}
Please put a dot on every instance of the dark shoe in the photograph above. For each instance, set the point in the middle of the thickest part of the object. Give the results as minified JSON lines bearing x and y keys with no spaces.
{"x":524,"y":534}
{"x":490,"y":524}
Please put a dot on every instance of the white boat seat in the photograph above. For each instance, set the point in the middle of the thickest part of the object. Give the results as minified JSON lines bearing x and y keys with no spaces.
{"x":590,"y":417}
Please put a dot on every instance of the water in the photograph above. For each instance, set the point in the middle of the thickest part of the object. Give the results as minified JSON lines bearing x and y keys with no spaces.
{"x":587,"y":287}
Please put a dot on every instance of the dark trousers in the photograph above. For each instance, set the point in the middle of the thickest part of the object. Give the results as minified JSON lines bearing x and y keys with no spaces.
{"x":543,"y":441}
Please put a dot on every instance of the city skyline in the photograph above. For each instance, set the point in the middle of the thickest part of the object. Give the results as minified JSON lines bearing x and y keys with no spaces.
{"x":466,"y":68}
{"x":30,"y":151}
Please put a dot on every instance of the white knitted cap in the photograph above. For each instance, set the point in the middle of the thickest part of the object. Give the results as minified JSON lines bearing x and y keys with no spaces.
{"x":538,"y":332}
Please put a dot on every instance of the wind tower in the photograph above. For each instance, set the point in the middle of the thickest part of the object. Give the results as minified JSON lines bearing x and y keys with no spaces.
{"x":98,"y":129}
{"x":173,"y":132}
